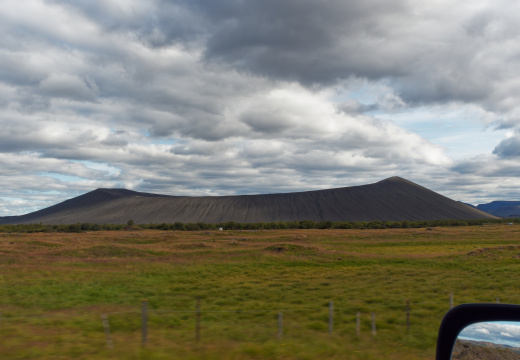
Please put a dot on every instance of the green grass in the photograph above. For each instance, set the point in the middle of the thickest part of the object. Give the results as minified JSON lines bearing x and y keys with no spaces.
{"x":243,"y":279}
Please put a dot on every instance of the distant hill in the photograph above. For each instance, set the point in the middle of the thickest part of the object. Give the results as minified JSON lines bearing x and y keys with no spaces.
{"x":393,"y":199}
{"x":503,"y":209}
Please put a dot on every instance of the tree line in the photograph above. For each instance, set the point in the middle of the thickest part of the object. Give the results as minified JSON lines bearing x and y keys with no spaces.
{"x":231,"y":225}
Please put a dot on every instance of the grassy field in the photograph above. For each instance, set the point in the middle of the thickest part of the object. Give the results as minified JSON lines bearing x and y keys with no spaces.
{"x":54,"y":288}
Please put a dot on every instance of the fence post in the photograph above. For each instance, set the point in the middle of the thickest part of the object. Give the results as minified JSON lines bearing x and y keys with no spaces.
{"x":373,"y":324}
{"x":280,"y":325}
{"x":451,"y":300}
{"x":358,"y":323}
{"x":106,"y":327}
{"x":197,"y":319}
{"x":331,"y":317}
{"x":498,"y":301}
{"x":407,"y":316}
{"x":144,"y":322}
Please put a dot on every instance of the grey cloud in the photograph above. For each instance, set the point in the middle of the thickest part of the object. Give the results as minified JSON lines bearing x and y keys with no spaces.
{"x":157,"y":23}
{"x":308,"y":41}
{"x":114,"y":140}
{"x":69,"y":87}
{"x":508,"y":148}
{"x":266,"y":122}
{"x":198,"y":126}
{"x":467,"y":167}
{"x":263,"y":150}
{"x":29,"y":102}
{"x":31,"y":136}
{"x":354,"y":107}
{"x":112,"y":16}
{"x":476,"y":25}
{"x":441,"y":88}
{"x":489,"y":166}
{"x":14,"y":137}
{"x":202,"y":148}
{"x":509,"y":123}
{"x":305,"y":41}
{"x":430,"y":55}
{"x":20,"y":69}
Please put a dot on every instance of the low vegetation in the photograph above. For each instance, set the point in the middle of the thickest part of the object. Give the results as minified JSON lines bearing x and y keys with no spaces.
{"x":231,"y":225}
{"x":54,"y":286}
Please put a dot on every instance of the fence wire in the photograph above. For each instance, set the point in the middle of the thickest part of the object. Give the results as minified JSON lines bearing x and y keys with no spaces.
{"x":360,"y":307}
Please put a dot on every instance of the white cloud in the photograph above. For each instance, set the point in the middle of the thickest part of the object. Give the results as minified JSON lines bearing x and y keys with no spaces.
{"x":199,"y":98}
{"x":495,"y":332}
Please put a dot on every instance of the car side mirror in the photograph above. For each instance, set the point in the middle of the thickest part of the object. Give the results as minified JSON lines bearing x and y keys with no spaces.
{"x":489,"y":331}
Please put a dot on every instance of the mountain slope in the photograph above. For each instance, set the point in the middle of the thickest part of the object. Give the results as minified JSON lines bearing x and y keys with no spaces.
{"x":394,"y":199}
{"x":503,"y":209}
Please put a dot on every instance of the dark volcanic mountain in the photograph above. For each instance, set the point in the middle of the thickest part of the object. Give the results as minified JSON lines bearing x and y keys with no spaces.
{"x":394,"y":199}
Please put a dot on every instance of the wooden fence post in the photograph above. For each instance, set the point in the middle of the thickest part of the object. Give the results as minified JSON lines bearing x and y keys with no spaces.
{"x":197,"y":320}
{"x":451,"y":300}
{"x":331,"y":317}
{"x":373,"y":324}
{"x":106,"y":327}
{"x":280,"y":325}
{"x":407,"y":316}
{"x":144,"y":322}
{"x":498,"y":301}
{"x":358,"y":323}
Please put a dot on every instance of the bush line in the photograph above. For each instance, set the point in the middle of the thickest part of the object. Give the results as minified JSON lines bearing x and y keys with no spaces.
{"x":231,"y":225}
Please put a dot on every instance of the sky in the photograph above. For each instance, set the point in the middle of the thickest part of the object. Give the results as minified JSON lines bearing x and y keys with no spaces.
{"x":204,"y":97}
{"x":498,"y":332}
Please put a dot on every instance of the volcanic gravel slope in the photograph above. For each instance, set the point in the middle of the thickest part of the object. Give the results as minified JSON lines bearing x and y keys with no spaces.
{"x":394,"y":199}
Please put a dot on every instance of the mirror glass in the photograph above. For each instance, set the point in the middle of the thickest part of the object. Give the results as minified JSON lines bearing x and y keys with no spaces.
{"x":488,"y":340}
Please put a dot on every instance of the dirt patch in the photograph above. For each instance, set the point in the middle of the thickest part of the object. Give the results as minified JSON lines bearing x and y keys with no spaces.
{"x":290,"y":248}
{"x":109,"y":251}
{"x":491,"y":250}
{"x":140,"y":241}
{"x":300,"y":236}
{"x":44,"y":243}
{"x":194,"y":246}
{"x":237,"y":239}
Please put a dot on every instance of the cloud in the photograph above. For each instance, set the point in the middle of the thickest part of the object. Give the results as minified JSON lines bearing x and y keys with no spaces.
{"x":304,"y":41}
{"x":495,"y":332}
{"x":482,"y":331}
{"x":430,"y":53}
{"x":229,"y":97}
{"x":69,"y":87}
{"x":508,"y":148}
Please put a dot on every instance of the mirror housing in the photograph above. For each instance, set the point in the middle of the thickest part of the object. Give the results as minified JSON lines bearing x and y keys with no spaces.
{"x":464,"y":315}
